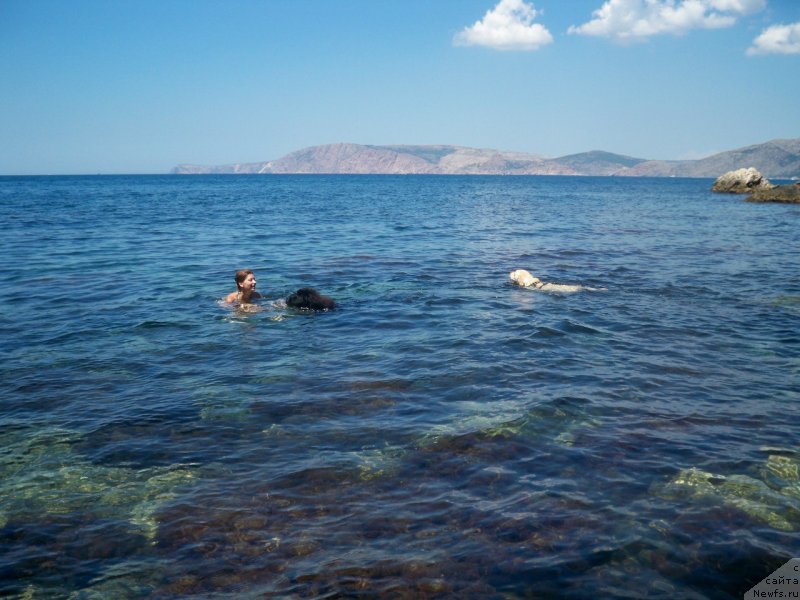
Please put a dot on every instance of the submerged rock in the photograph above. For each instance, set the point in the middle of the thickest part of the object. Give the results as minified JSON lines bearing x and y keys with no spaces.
{"x":741,"y":181}
{"x":789,"y":194}
{"x":783,"y":473}
{"x":777,"y":508}
{"x":42,"y":476}
{"x":783,"y":467}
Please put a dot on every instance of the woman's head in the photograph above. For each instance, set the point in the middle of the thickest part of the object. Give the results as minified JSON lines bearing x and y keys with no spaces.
{"x":243,"y":279}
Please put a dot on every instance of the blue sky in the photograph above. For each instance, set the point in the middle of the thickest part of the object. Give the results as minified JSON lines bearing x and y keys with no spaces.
{"x":124,"y":86}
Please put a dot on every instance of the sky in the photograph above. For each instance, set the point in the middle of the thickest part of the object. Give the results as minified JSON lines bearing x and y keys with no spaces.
{"x":139,"y":86}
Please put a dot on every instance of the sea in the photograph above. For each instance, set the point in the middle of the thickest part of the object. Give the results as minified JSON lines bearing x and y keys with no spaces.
{"x":442,"y":433}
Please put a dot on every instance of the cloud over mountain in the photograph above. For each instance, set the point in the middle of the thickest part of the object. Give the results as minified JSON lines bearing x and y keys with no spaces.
{"x":508,"y":26}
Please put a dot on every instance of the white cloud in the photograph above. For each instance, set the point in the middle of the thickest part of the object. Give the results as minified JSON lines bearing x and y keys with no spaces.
{"x":778,"y":39}
{"x":508,"y":26}
{"x":637,"y":20}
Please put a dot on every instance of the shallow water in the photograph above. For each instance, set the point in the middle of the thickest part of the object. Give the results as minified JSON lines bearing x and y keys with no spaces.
{"x":441,"y":434}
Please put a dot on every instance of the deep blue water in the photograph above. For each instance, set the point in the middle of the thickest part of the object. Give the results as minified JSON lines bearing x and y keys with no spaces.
{"x":441,"y":434}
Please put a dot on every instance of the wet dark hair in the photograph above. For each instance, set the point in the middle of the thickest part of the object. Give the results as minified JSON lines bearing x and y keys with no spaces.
{"x":241,"y":276}
{"x":311,"y":299}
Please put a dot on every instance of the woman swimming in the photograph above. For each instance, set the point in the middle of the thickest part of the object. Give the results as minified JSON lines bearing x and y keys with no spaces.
{"x":245,"y":288}
{"x":304,"y":298}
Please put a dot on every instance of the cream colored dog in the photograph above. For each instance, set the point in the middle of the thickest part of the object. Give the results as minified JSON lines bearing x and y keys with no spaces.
{"x":524,"y":279}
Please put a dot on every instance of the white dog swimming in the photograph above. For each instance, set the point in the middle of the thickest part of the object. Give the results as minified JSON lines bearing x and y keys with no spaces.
{"x":523,"y":278}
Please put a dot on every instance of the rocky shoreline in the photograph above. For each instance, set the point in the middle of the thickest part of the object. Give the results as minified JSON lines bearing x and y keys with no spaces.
{"x":789,"y":194}
{"x":751,"y":181}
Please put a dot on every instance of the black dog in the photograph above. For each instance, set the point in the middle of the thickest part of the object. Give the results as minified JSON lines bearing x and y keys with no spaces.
{"x":311,"y":299}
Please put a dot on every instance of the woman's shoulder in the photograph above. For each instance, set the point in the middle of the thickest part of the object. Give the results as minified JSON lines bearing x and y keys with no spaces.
{"x":236,"y":297}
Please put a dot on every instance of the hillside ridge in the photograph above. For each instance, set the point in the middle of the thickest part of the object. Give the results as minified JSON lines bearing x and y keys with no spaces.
{"x":779,"y":158}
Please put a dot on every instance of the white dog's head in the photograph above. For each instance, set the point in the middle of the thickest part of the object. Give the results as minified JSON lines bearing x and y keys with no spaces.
{"x":523,"y":278}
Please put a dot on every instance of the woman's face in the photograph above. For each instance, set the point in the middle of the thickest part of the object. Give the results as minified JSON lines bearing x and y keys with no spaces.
{"x":249,"y":283}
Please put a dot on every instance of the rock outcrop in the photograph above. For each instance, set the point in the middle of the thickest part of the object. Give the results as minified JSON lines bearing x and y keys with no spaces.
{"x":750,"y":181}
{"x":789,"y":194}
{"x":741,"y":181}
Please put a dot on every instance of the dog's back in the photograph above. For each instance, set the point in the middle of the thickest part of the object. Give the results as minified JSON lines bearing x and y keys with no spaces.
{"x":523,"y":278}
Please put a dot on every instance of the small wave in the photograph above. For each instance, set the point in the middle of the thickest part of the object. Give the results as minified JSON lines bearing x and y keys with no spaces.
{"x":549,"y":332}
{"x":574,"y":327}
{"x":153,"y":324}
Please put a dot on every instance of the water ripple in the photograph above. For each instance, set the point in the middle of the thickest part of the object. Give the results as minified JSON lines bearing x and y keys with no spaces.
{"x":441,"y":433}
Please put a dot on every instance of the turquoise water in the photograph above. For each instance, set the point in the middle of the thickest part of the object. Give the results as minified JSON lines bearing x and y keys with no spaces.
{"x":441,"y":434}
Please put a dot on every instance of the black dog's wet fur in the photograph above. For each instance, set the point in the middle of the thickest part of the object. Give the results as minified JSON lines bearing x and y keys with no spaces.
{"x":311,"y":299}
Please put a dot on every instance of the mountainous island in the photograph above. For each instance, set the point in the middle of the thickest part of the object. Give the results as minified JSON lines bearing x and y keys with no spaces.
{"x":778,"y":159}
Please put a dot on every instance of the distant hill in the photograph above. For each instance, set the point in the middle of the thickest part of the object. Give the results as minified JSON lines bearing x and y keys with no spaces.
{"x":599,"y":163}
{"x":777,"y":159}
{"x":401,"y":160}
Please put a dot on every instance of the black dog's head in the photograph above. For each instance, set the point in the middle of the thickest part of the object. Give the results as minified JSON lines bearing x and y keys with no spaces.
{"x":311,"y":299}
